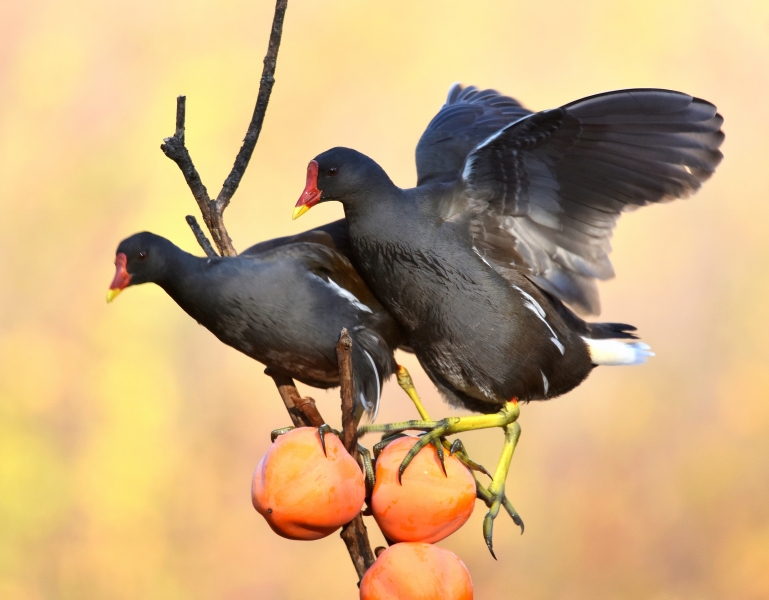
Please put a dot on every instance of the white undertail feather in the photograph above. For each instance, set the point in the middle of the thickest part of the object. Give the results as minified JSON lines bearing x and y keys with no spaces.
{"x":373,"y":412}
{"x":616,"y":352}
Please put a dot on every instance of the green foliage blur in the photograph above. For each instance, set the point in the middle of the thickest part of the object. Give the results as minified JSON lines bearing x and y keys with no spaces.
{"x":128,"y":434}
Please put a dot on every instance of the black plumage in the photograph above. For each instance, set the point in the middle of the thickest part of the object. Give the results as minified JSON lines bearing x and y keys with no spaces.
{"x":283,"y":302}
{"x":509,"y":223}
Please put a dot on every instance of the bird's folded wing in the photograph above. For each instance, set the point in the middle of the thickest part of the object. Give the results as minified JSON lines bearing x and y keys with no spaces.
{"x":334,"y":235}
{"x":333,"y":267}
{"x":544,"y":192}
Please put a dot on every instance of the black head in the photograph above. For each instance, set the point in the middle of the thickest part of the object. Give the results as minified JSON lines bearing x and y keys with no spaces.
{"x":141,"y":258}
{"x":339,"y":174}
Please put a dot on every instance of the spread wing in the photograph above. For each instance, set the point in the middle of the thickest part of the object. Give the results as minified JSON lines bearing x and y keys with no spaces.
{"x":467,"y":118}
{"x":543,"y":193}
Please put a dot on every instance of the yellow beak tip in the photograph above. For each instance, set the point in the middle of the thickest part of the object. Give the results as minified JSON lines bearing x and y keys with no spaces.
{"x":299,"y":211}
{"x":112,"y":294}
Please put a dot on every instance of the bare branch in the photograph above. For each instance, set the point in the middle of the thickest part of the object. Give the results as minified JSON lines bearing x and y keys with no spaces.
{"x":255,"y":127}
{"x":173,"y":147}
{"x":349,"y":425}
{"x":355,"y":537}
{"x":354,"y":533}
{"x":181,"y":115}
{"x":289,"y":394}
{"x":201,"y":237}
{"x":304,"y":413}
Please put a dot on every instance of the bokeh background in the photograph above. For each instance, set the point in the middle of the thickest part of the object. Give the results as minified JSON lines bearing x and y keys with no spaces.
{"x":128,"y":434}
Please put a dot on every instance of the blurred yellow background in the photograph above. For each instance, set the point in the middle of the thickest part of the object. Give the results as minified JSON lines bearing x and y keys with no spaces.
{"x":128,"y":434}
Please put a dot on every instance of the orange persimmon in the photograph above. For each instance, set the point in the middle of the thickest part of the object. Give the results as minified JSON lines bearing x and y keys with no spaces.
{"x":304,"y":494}
{"x":417,"y":571}
{"x":427,"y":505}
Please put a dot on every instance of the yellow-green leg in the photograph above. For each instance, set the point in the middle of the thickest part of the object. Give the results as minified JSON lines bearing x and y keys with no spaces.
{"x":448,"y":426}
{"x":496,"y":489}
{"x":407,"y":385}
{"x":405,"y":381}
{"x":494,"y":496}
{"x":456,"y":448}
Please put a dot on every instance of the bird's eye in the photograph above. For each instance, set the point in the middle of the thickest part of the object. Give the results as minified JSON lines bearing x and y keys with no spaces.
{"x":332,"y":171}
{"x":142,"y":255}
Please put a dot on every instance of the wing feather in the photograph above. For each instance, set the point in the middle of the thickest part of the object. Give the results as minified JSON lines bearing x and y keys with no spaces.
{"x":544,"y":191}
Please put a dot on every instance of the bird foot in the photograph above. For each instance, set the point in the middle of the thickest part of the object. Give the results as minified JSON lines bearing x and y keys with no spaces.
{"x":438,"y":444}
{"x":494,"y":500}
{"x":457,"y":449}
{"x":276,"y":433}
{"x":494,"y":496}
{"x":437,"y":430}
{"x":364,"y":456}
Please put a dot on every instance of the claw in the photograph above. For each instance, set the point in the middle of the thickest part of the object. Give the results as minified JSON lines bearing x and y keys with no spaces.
{"x":427,"y":438}
{"x":364,"y":458}
{"x":488,"y":527}
{"x":458,"y":449}
{"x":438,"y":445}
{"x":513,"y":513}
{"x":275,"y":433}
{"x":378,"y":447}
{"x":322,"y":431}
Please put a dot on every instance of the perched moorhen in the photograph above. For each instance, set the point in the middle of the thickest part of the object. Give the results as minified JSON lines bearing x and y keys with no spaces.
{"x":282,"y":302}
{"x":509,"y":223}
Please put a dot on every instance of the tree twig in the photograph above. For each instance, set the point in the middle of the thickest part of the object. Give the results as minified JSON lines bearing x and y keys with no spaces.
{"x":255,"y":127}
{"x":349,"y":426}
{"x":302,"y":411}
{"x":354,"y":533}
{"x":201,"y":237}
{"x":175,"y":149}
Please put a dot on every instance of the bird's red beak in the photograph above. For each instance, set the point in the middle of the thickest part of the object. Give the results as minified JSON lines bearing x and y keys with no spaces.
{"x":311,"y":194}
{"x":122,"y":277}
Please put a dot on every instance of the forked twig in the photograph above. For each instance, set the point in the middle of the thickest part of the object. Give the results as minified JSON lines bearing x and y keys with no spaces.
{"x":302,"y":411}
{"x":175,"y":149}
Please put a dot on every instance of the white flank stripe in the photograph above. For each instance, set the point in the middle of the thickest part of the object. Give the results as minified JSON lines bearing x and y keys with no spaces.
{"x":349,"y":296}
{"x":378,"y":389}
{"x":481,"y":256}
{"x":534,"y":307}
{"x":616,"y":352}
{"x":467,"y":171}
{"x":545,"y":382}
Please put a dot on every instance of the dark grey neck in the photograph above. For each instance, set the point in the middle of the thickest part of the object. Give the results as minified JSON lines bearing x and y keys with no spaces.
{"x":181,"y":274}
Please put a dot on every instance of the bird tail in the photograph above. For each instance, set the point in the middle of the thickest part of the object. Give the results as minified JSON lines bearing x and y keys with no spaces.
{"x":608,"y":343}
{"x":372,"y":363}
{"x":616,"y":352}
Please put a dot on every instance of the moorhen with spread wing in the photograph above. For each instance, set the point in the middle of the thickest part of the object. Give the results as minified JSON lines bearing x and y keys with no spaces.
{"x":484,"y":262}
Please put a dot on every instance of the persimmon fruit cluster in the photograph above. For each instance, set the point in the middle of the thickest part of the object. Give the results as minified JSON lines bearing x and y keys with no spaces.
{"x":306,"y":494}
